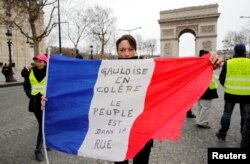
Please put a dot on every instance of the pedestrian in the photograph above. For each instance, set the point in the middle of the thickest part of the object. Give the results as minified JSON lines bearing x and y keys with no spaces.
{"x":235,"y":77}
{"x":126,"y":49}
{"x":24,"y":72}
{"x":6,"y":72}
{"x":204,"y":104}
{"x":34,"y":88}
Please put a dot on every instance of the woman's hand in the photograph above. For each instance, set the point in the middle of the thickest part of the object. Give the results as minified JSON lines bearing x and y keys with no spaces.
{"x":216,"y":60}
{"x":43,"y":102}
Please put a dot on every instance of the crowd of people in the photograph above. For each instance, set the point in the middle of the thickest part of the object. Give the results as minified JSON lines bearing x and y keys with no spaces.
{"x":235,"y":78}
{"x":236,"y":86}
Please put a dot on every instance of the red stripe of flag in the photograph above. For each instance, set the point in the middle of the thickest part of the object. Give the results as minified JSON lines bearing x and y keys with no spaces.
{"x":175,"y":87}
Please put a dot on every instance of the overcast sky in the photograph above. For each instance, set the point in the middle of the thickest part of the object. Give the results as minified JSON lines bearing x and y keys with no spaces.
{"x":145,"y":13}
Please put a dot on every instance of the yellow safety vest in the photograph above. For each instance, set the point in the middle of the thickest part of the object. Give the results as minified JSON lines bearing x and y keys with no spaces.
{"x":36,"y":87}
{"x":213,"y":84}
{"x":237,"y":80}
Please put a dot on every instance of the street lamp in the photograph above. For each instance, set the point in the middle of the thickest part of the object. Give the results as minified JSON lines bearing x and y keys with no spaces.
{"x":9,"y":35}
{"x":59,"y":27}
{"x":91,"y":52}
{"x":130,"y":30}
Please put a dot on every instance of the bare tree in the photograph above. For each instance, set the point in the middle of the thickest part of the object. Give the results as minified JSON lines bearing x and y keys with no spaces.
{"x":139,"y":41}
{"x":77,"y":20}
{"x":28,"y":15}
{"x":150,"y":46}
{"x":102,"y":26}
{"x":234,"y":37}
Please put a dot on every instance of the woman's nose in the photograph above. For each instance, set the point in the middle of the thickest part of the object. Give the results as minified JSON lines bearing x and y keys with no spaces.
{"x":127,"y":53}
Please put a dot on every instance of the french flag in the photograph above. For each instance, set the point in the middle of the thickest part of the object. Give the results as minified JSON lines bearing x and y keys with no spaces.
{"x":109,"y":109}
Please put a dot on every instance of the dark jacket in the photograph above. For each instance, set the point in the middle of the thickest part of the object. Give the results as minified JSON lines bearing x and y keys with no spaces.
{"x":35,"y":101}
{"x":5,"y":70}
{"x":229,"y":97}
{"x":25,"y":72}
{"x":210,"y":94}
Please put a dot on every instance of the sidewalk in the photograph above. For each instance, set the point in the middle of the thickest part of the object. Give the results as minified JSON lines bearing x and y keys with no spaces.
{"x":9,"y":84}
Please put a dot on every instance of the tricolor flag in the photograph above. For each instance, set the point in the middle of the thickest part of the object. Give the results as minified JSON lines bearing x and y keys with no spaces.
{"x":109,"y":109}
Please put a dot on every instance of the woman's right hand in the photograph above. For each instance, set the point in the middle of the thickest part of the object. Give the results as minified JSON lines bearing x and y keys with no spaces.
{"x":43,"y":102}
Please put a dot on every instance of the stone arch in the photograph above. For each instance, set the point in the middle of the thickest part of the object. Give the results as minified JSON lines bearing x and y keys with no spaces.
{"x":184,"y":30}
{"x":201,"y":21}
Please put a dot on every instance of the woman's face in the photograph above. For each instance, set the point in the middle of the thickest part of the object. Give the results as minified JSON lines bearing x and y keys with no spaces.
{"x":40,"y":64}
{"x":125,"y":50}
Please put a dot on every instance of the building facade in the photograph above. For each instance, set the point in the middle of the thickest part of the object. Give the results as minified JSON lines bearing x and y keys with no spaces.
{"x":22,"y":50}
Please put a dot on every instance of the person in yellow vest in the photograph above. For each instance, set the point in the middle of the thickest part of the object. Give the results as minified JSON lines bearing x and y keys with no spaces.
{"x":204,"y":104}
{"x":34,"y":87}
{"x":235,"y":77}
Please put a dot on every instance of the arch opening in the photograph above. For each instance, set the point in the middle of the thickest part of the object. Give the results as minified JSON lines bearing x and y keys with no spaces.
{"x":186,"y":44}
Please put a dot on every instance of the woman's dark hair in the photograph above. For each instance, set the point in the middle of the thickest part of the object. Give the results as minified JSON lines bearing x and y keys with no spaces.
{"x":129,"y":38}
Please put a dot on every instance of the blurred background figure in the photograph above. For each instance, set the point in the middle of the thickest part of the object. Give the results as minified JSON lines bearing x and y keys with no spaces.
{"x":25,"y":72}
{"x":235,"y":78}
{"x":6,"y":72}
{"x":204,"y":104}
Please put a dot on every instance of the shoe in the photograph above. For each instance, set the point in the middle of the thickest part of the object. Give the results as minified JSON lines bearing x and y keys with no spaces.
{"x":38,"y":155}
{"x":203,"y":126}
{"x":190,"y":115}
{"x":220,"y":136}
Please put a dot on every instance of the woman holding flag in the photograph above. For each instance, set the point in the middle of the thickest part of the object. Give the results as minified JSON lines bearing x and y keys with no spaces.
{"x":126,"y":49}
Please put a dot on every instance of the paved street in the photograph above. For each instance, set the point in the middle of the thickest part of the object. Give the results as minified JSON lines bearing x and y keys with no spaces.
{"x":18,"y":130}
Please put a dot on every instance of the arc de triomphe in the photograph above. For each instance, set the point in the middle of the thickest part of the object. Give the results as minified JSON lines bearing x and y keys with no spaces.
{"x":201,"y":21}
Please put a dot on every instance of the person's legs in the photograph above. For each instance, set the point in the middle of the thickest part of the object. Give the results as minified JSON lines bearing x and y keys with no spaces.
{"x":6,"y":77}
{"x":39,"y":140}
{"x":202,"y":118}
{"x":244,"y":112}
{"x":245,"y":141}
{"x":143,"y":156}
{"x":198,"y":111}
{"x":225,"y":120}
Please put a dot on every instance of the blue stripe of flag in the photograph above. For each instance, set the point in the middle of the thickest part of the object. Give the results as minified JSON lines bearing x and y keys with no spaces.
{"x":71,"y":91}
